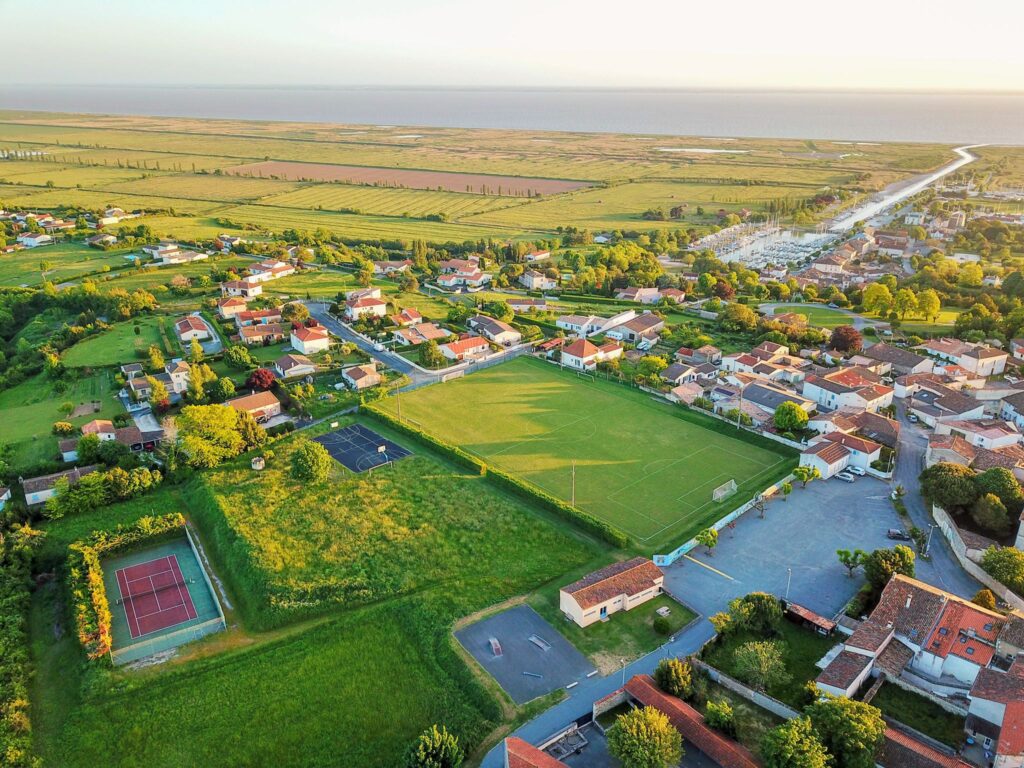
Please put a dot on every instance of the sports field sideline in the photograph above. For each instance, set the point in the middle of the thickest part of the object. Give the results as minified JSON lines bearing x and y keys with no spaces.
{"x":638,"y":465}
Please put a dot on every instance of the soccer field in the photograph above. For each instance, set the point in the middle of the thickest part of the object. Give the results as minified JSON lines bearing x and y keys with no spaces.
{"x":647,"y":467}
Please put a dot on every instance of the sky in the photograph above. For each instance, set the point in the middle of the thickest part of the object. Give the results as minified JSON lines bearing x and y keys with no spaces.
{"x":757,"y":44}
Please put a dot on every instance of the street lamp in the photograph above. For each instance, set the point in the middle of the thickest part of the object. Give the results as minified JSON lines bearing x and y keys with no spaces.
{"x":623,"y":661}
{"x":789,"y":581}
{"x":928,"y":544}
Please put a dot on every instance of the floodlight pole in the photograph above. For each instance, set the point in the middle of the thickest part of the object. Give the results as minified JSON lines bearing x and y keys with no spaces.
{"x":789,"y":580}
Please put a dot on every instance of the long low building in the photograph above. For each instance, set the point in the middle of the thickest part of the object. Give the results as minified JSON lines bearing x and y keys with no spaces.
{"x":616,"y":587}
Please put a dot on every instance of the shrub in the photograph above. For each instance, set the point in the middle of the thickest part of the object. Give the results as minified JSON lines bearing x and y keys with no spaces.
{"x":63,"y":428}
{"x":674,"y":677}
{"x":645,"y":738}
{"x":662,"y":625}
{"x":435,"y":748}
{"x":990,"y":514}
{"x":311,"y":462}
{"x":1005,"y":565}
{"x":719,"y":715}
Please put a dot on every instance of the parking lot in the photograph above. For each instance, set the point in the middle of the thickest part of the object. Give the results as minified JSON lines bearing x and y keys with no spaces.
{"x":801,"y":534}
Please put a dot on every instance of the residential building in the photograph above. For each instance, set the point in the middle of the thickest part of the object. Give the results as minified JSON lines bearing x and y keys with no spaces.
{"x":539,"y":255}
{"x":355,"y":309}
{"x":102,"y":428}
{"x":616,"y":587}
{"x":34,"y":239}
{"x":643,"y":327}
{"x":291,"y":366}
{"x":369,"y":292}
{"x":102,"y":240}
{"x":851,"y":387}
{"x":641,"y":295}
{"x":590,"y":325}
{"x":770,"y":397}
{"x":131,"y":370}
{"x":39,"y":489}
{"x":1012,"y":409}
{"x":270,"y":333}
{"x":388,"y":268}
{"x":245,"y":288}
{"x":258,"y":317}
{"x":521,"y":754}
{"x":273,"y":269}
{"x":521,"y":305}
{"x":263,"y":406}
{"x":419,"y":333}
{"x":191,"y":327}
{"x":466,"y":348}
{"x":978,"y":359}
{"x":231,"y":306}
{"x":5,"y":496}
{"x":986,"y":433}
{"x":705,"y":354}
{"x":537,"y":281}
{"x":897,"y":360}
{"x":455,"y":280}
{"x":407,"y":316}
{"x":582,"y":355}
{"x":495,"y":330}
{"x":310,"y":340}
{"x":360,"y":377}
{"x":679,"y":373}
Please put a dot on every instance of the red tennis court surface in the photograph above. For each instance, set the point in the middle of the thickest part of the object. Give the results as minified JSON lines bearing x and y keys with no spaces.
{"x":155,"y":596}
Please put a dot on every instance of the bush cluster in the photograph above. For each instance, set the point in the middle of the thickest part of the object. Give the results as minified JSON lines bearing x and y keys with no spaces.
{"x":15,"y":569}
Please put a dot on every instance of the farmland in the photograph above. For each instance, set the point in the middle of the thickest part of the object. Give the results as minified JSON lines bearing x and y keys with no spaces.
{"x":646,"y":468}
{"x":375,"y":556}
{"x":65,"y":261}
{"x":388,"y":202}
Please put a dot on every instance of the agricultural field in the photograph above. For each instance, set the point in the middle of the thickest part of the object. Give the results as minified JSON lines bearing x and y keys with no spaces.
{"x":387,"y":202}
{"x":120,"y":345}
{"x":65,"y":261}
{"x":201,"y":186}
{"x":646,"y":468}
{"x":372,"y":556}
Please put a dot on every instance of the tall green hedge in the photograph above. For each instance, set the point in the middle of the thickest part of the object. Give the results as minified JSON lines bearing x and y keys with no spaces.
{"x":516,"y":485}
{"x":15,"y":579}
{"x":85,"y":576}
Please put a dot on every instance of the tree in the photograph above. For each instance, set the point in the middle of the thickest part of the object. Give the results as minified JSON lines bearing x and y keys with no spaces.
{"x":806,"y":475}
{"x":157,"y":390}
{"x":785,"y":489}
{"x":651,"y":365}
{"x":88,"y":493}
{"x":950,"y":486}
{"x":239,"y":358}
{"x":851,"y":731}
{"x":990,"y":513}
{"x":1002,"y":482}
{"x":720,"y":716}
{"x":846,"y":338}
{"x":985,"y":598}
{"x":644,"y":738}
{"x":295,"y":312}
{"x":261,"y":379}
{"x":790,"y":417}
{"x":220,"y":389}
{"x":794,"y":744}
{"x":88,"y":449}
{"x":882,"y":564}
{"x":253,"y":435}
{"x":430,"y":355}
{"x":877,"y":298}
{"x":738,"y":317}
{"x":208,"y":434}
{"x":708,"y":538}
{"x":311,"y":462}
{"x":195,"y":352}
{"x":435,"y":748}
{"x":156,"y":358}
{"x":1006,"y":565}
{"x":928,"y":304}
{"x":674,"y":677}
{"x":905,"y":302}
{"x":758,"y":612}
{"x":851,"y":561}
{"x":760,"y":663}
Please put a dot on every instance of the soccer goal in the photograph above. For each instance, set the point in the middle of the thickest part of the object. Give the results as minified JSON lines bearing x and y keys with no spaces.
{"x":724,"y":491}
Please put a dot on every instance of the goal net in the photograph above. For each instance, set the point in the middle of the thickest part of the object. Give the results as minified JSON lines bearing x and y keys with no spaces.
{"x":724,"y":490}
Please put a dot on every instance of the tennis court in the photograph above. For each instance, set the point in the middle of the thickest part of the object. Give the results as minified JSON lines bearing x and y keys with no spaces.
{"x":160,"y":598}
{"x":359,"y":448}
{"x":648,"y":467}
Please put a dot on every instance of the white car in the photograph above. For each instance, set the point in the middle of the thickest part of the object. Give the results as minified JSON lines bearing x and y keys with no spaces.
{"x":856,"y":471}
{"x":846,"y":477}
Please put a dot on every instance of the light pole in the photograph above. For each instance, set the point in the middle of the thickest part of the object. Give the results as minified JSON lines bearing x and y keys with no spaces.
{"x":789,"y":581}
{"x":623,"y":661}
{"x":928,"y":544}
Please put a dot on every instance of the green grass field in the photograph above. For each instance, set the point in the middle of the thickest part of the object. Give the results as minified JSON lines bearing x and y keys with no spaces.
{"x":816,"y":314}
{"x":66,"y":261}
{"x":648,"y":468}
{"x":119,"y":345}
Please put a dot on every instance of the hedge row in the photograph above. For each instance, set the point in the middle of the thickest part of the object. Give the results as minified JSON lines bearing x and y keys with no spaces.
{"x":584,"y":298}
{"x":85,"y":576}
{"x":459,"y":456}
{"x":520,"y":487}
{"x":15,"y":579}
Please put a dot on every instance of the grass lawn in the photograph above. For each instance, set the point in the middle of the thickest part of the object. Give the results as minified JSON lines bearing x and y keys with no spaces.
{"x":920,"y":713}
{"x":30,"y":408}
{"x":801,"y":649}
{"x":752,"y":722}
{"x":66,"y":262}
{"x":646,"y":467}
{"x":817,"y":315}
{"x":120,"y":345}
{"x":943,"y":324}
{"x":386,"y":562}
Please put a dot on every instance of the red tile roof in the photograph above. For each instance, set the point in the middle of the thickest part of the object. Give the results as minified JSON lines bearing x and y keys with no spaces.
{"x":1011,"y":736}
{"x":957,"y":628}
{"x":580,"y":348}
{"x":690,"y":724}
{"x":844,"y":669}
{"x":254,"y":402}
{"x":310,"y":334}
{"x":903,"y":751}
{"x":870,"y":636}
{"x":523,"y":755}
{"x":630,"y":577}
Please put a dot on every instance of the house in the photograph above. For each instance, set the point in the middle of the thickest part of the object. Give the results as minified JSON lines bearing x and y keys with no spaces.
{"x":986,"y":433}
{"x":495,"y":330}
{"x":876,"y":428}
{"x":263,"y":406}
{"x":290,"y":366}
{"x":521,"y":305}
{"x":640,"y":295}
{"x":419,"y":333}
{"x":258,"y":317}
{"x":538,"y":255}
{"x":1017,"y":349}
{"x":231,"y":306}
{"x":310,"y":340}
{"x":191,"y":327}
{"x":270,"y":270}
{"x":1012,"y":409}
{"x":5,"y":496}
{"x":227,"y":242}
{"x":590,"y":325}
{"x":245,"y":288}
{"x":370,"y":292}
{"x":459,"y":266}
{"x":356,"y":309}
{"x":466,"y":348}
{"x":932,"y":402}
{"x":900,"y":361}
{"x":68,"y":450}
{"x":131,"y":370}
{"x":388,"y":268}
{"x":673,"y":294}
{"x":792,"y":319}
{"x":102,"y":428}
{"x":34,"y":239}
{"x":616,"y":587}
{"x":978,"y":359}
{"x":769,"y":397}
{"x":679,"y":373}
{"x":995,"y":716}
{"x":845,"y":674}
{"x":901,"y":750}
{"x":582,"y":355}
{"x":476,"y":279}
{"x":644,"y":327}
{"x":102,"y":240}
{"x":39,"y":489}
{"x":705,"y":354}
{"x":827,"y":457}
{"x":175,"y":255}
{"x":408,"y":316}
{"x":269,"y":333}
{"x":360,"y":377}
{"x":537,"y":281}
{"x":851,"y":387}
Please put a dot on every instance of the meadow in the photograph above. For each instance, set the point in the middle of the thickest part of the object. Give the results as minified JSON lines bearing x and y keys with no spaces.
{"x":387,"y":201}
{"x":119,"y":345}
{"x":66,"y":261}
{"x":343,"y":594}
{"x":645,"y":467}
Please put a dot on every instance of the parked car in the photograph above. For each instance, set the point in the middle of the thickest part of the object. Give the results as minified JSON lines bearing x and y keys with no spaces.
{"x":912,"y":418}
{"x":856,"y":471}
{"x":898,"y":534}
{"x":846,"y":477}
